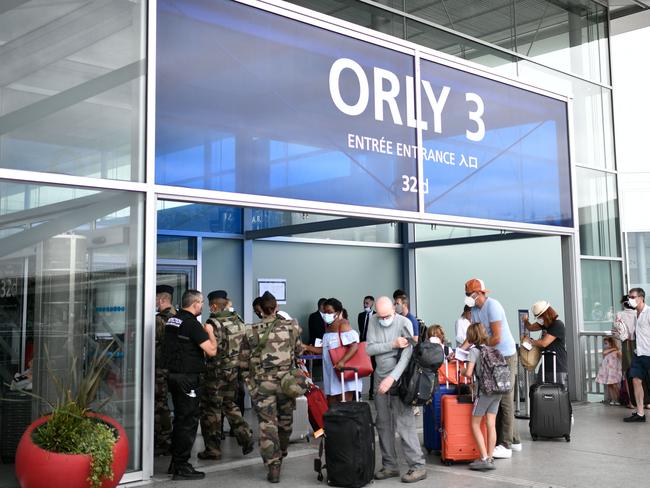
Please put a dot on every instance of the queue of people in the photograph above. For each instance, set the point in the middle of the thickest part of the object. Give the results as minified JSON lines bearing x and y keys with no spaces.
{"x":203,"y":365}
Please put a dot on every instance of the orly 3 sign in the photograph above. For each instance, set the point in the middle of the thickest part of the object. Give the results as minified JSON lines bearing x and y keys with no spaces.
{"x":386,"y":87}
{"x":253,"y":102}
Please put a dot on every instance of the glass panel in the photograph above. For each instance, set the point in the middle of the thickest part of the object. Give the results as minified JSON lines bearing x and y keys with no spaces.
{"x":602,"y":287}
{"x":638,"y":254}
{"x":304,"y":131}
{"x":445,"y":42}
{"x":71,"y":86}
{"x":358,"y":13}
{"x":175,"y":247}
{"x":199,"y":218}
{"x":593,"y":136}
{"x":571,"y":36}
{"x":424,"y":232}
{"x":598,"y":213}
{"x":71,"y":267}
{"x":385,"y":233}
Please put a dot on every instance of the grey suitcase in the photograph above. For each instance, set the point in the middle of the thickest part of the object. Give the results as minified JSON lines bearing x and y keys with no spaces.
{"x":301,"y":425}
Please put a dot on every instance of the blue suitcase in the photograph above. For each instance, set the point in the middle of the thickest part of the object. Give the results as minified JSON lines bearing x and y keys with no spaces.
{"x":431,"y":419}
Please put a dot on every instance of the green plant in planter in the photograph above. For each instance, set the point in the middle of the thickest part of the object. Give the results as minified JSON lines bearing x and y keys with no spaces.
{"x":70,"y":430}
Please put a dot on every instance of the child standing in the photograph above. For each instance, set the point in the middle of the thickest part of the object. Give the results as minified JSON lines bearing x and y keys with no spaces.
{"x":610,"y":371}
{"x":484,"y":405}
{"x":436,"y":331}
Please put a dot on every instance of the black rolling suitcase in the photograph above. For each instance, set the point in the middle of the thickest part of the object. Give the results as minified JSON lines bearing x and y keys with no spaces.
{"x":550,"y":408}
{"x":349,"y":443}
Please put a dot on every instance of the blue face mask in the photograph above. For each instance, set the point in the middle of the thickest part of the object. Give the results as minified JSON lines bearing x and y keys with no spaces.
{"x":329,"y":318}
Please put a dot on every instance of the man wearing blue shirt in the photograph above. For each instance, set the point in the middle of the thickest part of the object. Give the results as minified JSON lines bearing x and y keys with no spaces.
{"x":402,"y":308}
{"x":491,"y":314}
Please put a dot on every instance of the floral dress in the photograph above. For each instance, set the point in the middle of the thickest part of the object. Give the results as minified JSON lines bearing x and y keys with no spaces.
{"x":610,"y":371}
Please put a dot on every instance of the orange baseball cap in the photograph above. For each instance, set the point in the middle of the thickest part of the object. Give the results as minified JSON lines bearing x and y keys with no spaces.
{"x":475,"y":285}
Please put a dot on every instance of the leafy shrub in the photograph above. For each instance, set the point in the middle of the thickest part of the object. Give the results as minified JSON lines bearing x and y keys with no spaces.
{"x":71,"y":431}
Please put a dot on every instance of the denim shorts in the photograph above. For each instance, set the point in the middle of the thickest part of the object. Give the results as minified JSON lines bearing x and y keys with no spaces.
{"x":639,"y":367}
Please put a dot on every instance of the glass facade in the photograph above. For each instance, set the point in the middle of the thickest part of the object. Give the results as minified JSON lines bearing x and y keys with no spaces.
{"x":72,"y":283}
{"x":72,"y":77}
{"x":638,"y":258}
{"x":72,"y":88}
{"x":72,"y":93}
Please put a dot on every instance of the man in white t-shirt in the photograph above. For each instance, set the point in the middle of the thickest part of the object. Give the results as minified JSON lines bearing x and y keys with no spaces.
{"x":641,"y":360}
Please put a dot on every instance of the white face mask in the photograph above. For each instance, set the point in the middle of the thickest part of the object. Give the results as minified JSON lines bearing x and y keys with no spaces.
{"x":367,"y":309}
{"x":386,"y":322}
{"x":329,"y":318}
{"x":230,"y":309}
{"x":470,"y":301}
{"x":540,"y":321}
{"x":632,"y":302}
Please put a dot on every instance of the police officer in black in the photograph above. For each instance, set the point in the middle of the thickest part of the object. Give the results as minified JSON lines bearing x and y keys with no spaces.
{"x":187,"y":343}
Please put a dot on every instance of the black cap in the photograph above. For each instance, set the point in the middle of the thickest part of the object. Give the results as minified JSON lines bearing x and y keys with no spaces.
{"x":213,"y":295}
{"x":165,"y":289}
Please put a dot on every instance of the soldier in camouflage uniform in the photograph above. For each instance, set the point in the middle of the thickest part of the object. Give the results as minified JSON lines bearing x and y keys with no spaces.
{"x":162,"y":418}
{"x":221,"y":379}
{"x":268,"y":352}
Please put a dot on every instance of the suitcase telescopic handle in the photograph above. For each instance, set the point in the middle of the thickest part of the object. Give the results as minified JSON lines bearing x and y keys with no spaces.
{"x":554,"y":365}
{"x":356,"y":380}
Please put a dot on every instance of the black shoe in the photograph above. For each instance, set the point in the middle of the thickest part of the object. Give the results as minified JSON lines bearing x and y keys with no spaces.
{"x":187,"y":472}
{"x":635,"y":417}
{"x":274,"y":474}
{"x":248,"y":448}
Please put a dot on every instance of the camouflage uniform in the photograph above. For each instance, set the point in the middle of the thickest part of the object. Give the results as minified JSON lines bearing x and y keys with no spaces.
{"x":262,"y":371}
{"x":220,"y":384}
{"x":162,"y":417}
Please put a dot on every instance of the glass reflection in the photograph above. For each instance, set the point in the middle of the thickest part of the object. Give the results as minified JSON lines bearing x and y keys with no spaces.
{"x":70,"y":283}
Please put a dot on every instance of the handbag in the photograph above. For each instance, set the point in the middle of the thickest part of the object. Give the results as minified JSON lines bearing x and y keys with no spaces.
{"x":360,"y":361}
{"x":530,"y":358}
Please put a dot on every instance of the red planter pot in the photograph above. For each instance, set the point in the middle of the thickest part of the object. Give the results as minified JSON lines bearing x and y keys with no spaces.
{"x":38,"y":468}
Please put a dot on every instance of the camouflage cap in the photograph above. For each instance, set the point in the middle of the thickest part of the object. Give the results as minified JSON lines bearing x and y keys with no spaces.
{"x":294,"y":383}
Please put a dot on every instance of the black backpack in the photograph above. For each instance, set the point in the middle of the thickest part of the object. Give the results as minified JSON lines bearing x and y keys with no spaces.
{"x":418,"y":380}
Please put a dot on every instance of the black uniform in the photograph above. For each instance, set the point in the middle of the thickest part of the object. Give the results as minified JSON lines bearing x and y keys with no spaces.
{"x":186,"y":362}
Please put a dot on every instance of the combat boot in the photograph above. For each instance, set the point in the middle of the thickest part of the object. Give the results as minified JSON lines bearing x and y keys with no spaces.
{"x":213,"y":455}
{"x":274,"y":473}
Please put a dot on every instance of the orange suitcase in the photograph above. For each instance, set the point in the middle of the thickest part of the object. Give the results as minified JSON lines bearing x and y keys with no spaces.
{"x":457,"y":440}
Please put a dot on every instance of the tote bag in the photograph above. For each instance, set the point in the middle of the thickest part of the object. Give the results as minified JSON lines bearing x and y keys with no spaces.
{"x":360,"y":360}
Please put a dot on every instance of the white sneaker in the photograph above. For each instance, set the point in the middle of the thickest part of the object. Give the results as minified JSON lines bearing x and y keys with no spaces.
{"x":501,"y":452}
{"x":516,"y":447}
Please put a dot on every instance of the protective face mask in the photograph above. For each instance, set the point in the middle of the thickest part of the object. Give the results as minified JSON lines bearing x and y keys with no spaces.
{"x":470,"y":301}
{"x":367,"y":309}
{"x":540,"y":321}
{"x":328,"y":318}
{"x":399,"y":308}
{"x":231,"y":309}
{"x":632,"y":302}
{"x":386,"y":322}
{"x":322,"y":314}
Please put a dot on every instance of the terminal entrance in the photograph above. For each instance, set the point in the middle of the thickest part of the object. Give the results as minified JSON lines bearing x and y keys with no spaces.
{"x":317,"y":255}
